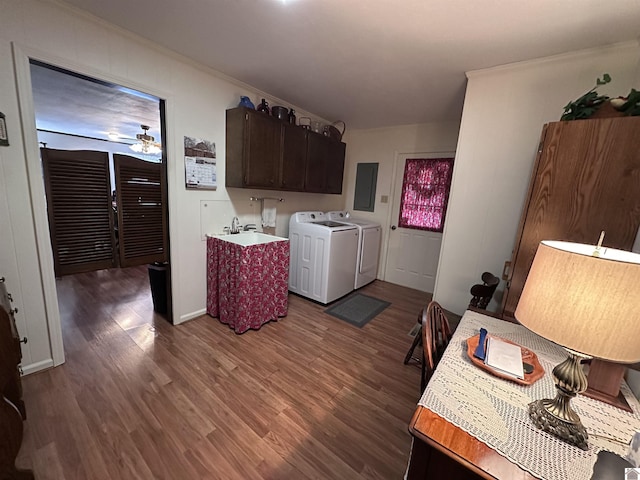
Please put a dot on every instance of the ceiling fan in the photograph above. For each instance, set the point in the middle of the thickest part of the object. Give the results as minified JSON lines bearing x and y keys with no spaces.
{"x":146,"y":143}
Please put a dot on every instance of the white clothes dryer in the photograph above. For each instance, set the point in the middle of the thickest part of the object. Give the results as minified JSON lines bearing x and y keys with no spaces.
{"x":323,"y":256}
{"x":368,"y":246}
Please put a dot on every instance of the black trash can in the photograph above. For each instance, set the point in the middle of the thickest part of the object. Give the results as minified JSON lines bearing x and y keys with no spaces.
{"x":158,"y":282}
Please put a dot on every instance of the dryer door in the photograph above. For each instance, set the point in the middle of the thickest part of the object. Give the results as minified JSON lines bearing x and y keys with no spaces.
{"x":369,"y":253}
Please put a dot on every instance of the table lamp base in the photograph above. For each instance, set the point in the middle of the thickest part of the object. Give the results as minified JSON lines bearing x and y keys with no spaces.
{"x":556,"y":416}
{"x":570,"y":432}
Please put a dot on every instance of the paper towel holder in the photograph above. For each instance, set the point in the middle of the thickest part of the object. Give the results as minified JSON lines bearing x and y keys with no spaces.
{"x":262,"y":199}
{"x":262,"y":212}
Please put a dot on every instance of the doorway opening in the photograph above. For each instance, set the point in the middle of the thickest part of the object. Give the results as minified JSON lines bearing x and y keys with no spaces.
{"x":104,"y":165}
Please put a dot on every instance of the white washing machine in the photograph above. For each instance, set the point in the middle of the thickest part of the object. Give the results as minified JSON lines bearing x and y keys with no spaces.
{"x":323,"y":256}
{"x":368,"y":247}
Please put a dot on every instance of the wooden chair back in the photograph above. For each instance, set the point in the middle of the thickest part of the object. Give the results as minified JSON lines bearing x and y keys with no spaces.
{"x":483,"y":293}
{"x":436,"y":334}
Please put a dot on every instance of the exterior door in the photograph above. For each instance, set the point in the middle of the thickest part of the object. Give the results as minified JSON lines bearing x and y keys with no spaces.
{"x":412,"y":254}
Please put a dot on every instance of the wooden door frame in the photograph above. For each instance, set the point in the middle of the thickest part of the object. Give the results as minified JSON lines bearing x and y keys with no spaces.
{"x":22,"y":55}
{"x":392,"y":197}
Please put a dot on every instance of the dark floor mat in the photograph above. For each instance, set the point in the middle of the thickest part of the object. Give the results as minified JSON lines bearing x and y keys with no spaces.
{"x":357,"y":309}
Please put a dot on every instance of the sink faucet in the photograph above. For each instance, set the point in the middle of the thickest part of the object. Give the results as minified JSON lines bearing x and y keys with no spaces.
{"x":235,"y":225}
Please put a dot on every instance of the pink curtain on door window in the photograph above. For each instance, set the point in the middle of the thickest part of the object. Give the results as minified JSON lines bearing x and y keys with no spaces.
{"x":425,"y":193}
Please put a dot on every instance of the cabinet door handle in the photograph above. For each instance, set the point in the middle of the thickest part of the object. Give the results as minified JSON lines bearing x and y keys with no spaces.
{"x":24,"y":340}
{"x":393,"y":227}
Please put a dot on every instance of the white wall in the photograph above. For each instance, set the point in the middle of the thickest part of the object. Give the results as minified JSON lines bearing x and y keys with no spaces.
{"x":504,"y":111}
{"x":382,"y":146}
{"x":196,"y":102}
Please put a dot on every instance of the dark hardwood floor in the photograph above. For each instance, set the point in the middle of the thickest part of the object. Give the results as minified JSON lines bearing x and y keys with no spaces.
{"x":306,"y":397}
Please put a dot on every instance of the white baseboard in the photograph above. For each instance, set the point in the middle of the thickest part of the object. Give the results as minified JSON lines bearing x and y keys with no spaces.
{"x":36,"y":367}
{"x":192,"y":315}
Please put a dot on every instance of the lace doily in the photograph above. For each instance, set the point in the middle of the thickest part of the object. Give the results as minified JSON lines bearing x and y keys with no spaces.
{"x":495,"y":411}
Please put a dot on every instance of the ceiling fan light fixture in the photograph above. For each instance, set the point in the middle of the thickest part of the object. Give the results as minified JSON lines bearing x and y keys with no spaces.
{"x":144,"y":137}
{"x":146,"y":143}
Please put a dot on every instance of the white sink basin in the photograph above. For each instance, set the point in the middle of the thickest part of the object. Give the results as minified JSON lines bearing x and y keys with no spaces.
{"x":247,"y":239}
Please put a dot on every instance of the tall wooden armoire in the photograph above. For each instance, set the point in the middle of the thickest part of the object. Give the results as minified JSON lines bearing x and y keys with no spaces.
{"x":586,"y":179}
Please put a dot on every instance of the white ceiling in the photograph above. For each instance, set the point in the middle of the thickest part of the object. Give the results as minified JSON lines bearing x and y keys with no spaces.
{"x":370,"y":63}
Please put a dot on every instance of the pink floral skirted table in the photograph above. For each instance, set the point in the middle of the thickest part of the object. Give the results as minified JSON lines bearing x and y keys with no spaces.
{"x":247,"y":286}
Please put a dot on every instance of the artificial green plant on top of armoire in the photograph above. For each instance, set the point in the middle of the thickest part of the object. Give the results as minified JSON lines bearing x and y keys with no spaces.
{"x":629,"y":105}
{"x":589,"y":103}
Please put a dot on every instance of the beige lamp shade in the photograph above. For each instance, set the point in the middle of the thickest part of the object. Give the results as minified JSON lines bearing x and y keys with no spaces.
{"x":589,"y":304}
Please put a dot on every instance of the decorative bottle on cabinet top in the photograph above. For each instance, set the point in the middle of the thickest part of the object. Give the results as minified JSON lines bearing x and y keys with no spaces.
{"x":263,"y":107}
{"x":246,"y":102}
{"x":292,"y":116}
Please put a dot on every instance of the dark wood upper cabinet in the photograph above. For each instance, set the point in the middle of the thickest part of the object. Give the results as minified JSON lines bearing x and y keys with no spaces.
{"x":316,"y":163}
{"x":335,"y":166}
{"x":263,"y":141}
{"x":294,"y":157}
{"x":586,"y":179}
{"x":325,"y":164}
{"x":265,"y":152}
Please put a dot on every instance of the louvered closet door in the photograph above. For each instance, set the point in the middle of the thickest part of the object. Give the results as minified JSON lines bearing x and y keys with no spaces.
{"x":79,"y":209}
{"x":141,"y":212}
